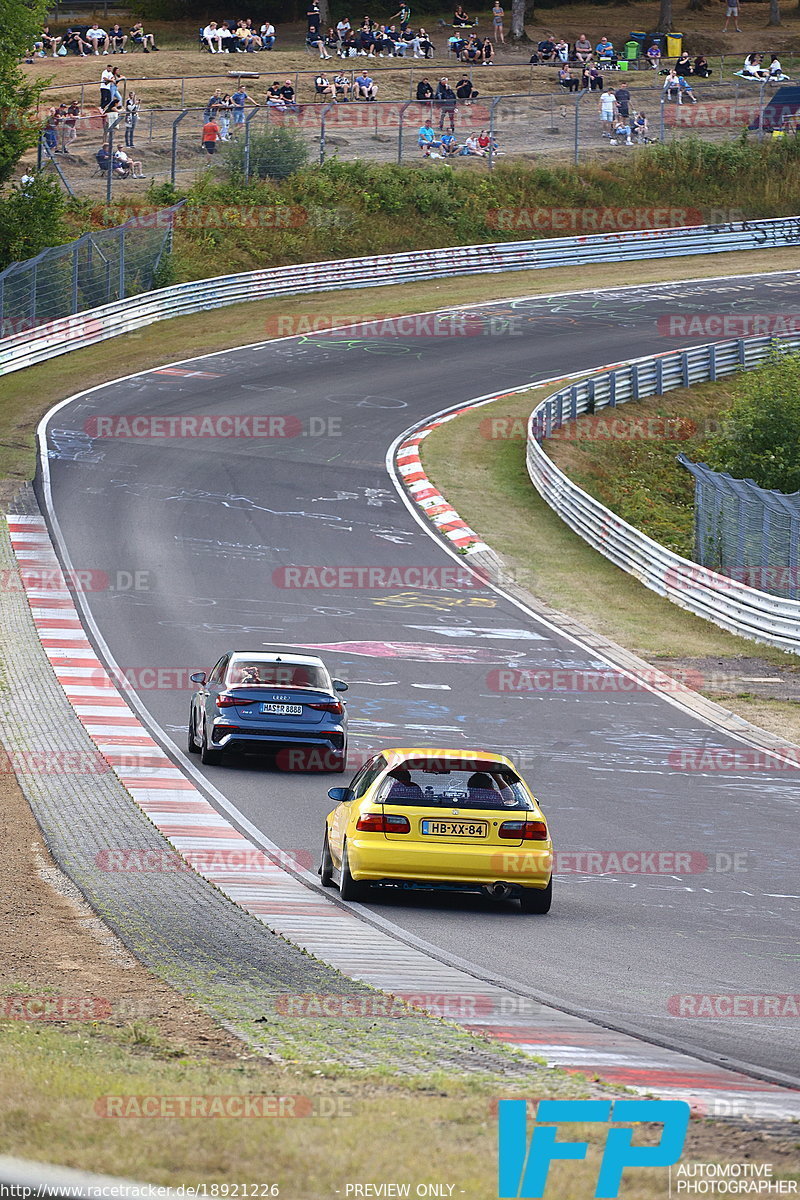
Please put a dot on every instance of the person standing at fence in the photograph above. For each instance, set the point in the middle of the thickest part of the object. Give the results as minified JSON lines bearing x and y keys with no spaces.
{"x":238,"y":101}
{"x":131,"y":117}
{"x":106,"y":81}
{"x":224,"y":117}
{"x":69,"y":130}
{"x":607,"y":106}
{"x":210,"y":136}
{"x":446,"y":103}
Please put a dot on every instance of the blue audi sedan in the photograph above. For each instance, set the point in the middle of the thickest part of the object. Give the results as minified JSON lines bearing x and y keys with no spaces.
{"x":264,"y":703}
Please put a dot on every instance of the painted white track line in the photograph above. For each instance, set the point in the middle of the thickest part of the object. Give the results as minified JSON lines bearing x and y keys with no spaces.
{"x":333,"y":933}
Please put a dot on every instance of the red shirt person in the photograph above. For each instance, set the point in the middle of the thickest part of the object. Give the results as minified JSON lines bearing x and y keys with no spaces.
{"x":210,"y":136}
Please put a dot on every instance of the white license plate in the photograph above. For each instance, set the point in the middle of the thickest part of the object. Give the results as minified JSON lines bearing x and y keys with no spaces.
{"x":283,"y":710}
{"x":465,"y":829}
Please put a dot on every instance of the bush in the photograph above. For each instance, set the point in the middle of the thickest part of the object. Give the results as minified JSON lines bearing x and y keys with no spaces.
{"x":761,"y":435}
{"x":275,"y":153}
{"x":31,"y":219}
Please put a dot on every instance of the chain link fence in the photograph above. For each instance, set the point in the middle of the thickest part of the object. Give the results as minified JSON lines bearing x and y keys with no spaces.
{"x":93,"y":270}
{"x":746,"y":532}
{"x":167,"y":140}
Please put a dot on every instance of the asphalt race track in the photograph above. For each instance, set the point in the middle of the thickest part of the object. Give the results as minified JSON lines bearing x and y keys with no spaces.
{"x":210,"y":521}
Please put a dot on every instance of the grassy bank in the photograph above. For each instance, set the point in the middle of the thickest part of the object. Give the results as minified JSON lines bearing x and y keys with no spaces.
{"x":345,"y":209}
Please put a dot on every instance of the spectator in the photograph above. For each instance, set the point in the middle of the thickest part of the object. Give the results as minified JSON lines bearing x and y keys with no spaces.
{"x":117,"y":39}
{"x":776,"y":70}
{"x":686,"y":89}
{"x":607,"y":112}
{"x":460,"y":18}
{"x":76,"y":43}
{"x":332,"y":39}
{"x":69,"y":126}
{"x":485,"y":141}
{"x":342,"y":85}
{"x":323,"y":87}
{"x":701,"y":67}
{"x":562,"y":50}
{"x":546,"y":48}
{"x":424,"y":90}
{"x":53,"y":125}
{"x":115,"y":103}
{"x":365,"y":87}
{"x":672,"y":86}
{"x":567,"y":80}
{"x":497,"y":22}
{"x":754,"y":66}
{"x":212,"y":107}
{"x":288,"y":96}
{"x":446,"y":100}
{"x":623,"y":99}
{"x":128,"y":165}
{"x":641,"y":127}
{"x":653,"y":55}
{"x":267,"y":33}
{"x":488,"y":53}
{"x":223,"y":117}
{"x":210,"y":136}
{"x":583,"y":49}
{"x":448,"y":144}
{"x":426,"y":139}
{"x":683,"y":66}
{"x":424,"y":42}
{"x":96,"y":36}
{"x":49,"y":42}
{"x":403,"y":16}
{"x":103,"y":157}
{"x":131,"y":118}
{"x":732,"y":10}
{"x":465,"y":91}
{"x":274,"y":97}
{"x":248,"y":41}
{"x":107,"y":79}
{"x":622,"y":132}
{"x":140,"y":38}
{"x":213,"y":39}
{"x":343,"y":28}
{"x":456,"y":44}
{"x":471,"y":147}
{"x":349,"y":47}
{"x":238,"y":101}
{"x":593,"y":78}
{"x":605,"y":51}
{"x":313,"y":18}
{"x":471,"y":51}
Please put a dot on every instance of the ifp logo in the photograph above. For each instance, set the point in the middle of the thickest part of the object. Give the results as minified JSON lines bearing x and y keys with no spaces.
{"x":523,"y":1166}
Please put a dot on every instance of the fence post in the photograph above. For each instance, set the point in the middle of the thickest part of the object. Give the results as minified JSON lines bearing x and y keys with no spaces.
{"x":75,"y":269}
{"x":662,"y":134}
{"x":326,"y":108}
{"x":761,"y":110}
{"x":122,"y":262}
{"x":183,"y":102}
{"x":247,"y":121}
{"x":401,"y":120}
{"x":578,"y":99}
{"x":492,"y":107}
{"x":175,"y":125}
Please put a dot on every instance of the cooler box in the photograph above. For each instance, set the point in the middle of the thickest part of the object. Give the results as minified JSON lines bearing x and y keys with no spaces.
{"x":632,"y":50}
{"x":674,"y":45}
{"x":622,"y":64}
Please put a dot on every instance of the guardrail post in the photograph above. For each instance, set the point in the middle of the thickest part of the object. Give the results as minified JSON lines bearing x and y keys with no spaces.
{"x":635,"y":380}
{"x":712,"y":366}
{"x":659,"y":377}
{"x":742,"y":351}
{"x":612,"y":389}
{"x":685,"y":367}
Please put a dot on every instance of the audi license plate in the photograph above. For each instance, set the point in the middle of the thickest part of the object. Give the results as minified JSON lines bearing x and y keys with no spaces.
{"x":283,"y":710}
{"x":465,"y":829}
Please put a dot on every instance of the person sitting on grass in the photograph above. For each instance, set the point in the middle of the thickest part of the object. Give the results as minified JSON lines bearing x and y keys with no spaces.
{"x":622,"y":132}
{"x":486,"y":142}
{"x":74,"y":41}
{"x":684,"y":65}
{"x":701,"y":67}
{"x":464,"y":90}
{"x":460,"y":18}
{"x":139,"y":38}
{"x":641,"y":127}
{"x":567,"y":80}
{"x":672,"y":86}
{"x":288,"y":96}
{"x":426,"y":139}
{"x":488,"y":53}
{"x":274,"y":97}
{"x":448,"y":144}
{"x":686,"y":89}
{"x":754,"y":66}
{"x":471,"y":148}
{"x":471,"y":51}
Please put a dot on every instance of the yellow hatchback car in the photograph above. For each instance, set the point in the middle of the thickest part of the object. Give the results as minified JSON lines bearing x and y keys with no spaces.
{"x":422,"y":818}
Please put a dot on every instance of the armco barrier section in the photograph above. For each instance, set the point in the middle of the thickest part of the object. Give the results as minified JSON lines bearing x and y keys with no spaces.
{"x":734,"y":606}
{"x":87,"y":329}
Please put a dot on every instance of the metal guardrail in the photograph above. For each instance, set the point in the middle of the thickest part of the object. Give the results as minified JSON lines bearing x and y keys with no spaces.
{"x":99,"y":324}
{"x":732,"y":605}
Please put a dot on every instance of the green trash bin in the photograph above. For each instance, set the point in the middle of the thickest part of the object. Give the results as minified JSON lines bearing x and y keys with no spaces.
{"x":632,"y":50}
{"x":674,"y":45}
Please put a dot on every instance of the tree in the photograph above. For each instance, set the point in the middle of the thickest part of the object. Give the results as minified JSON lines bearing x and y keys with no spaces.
{"x":519,"y":10}
{"x":761,"y":432}
{"x":774,"y":12}
{"x":665,"y":17}
{"x":31,"y":219}
{"x":21,"y":22}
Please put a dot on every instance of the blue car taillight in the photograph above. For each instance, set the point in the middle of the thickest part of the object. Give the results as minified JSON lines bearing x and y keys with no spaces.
{"x":226,"y":700}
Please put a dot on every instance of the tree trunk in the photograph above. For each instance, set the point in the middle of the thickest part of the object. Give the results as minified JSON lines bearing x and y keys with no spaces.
{"x":325,"y":14}
{"x":774,"y":12}
{"x":665,"y":17}
{"x":517,"y":33}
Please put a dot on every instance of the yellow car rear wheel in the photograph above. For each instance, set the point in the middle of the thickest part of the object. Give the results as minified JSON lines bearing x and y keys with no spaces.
{"x":349,"y":888}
